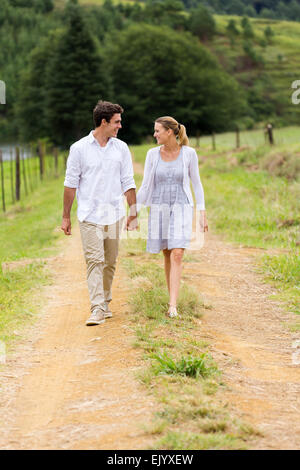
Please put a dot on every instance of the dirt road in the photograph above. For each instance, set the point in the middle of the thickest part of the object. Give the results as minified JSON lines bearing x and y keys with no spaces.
{"x":69,"y":386}
{"x":258,"y":355}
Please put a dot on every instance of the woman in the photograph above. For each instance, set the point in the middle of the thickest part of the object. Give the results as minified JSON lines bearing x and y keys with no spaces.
{"x":166,"y":189}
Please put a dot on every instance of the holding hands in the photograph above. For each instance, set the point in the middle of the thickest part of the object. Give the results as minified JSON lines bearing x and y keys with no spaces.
{"x":132,"y":223}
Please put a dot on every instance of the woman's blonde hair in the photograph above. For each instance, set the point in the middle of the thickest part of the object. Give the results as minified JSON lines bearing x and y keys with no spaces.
{"x":179,"y":129}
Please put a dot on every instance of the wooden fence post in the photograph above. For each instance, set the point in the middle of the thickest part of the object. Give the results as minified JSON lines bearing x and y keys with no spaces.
{"x":12,"y":177}
{"x":213,"y":141}
{"x":269,"y":133}
{"x":55,"y":153}
{"x":24,"y":171}
{"x":18,"y":179}
{"x":37,"y":167}
{"x":2,"y":182}
{"x":237,"y":137}
{"x":35,"y":176}
{"x":197,"y":139}
{"x":29,"y":170}
{"x":42,"y":159}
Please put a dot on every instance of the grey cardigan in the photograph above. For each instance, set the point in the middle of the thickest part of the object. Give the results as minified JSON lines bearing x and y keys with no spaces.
{"x":190,"y":172}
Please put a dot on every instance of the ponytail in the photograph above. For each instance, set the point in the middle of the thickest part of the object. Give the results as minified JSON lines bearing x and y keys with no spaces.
{"x":179,"y":129}
{"x":181,"y":136}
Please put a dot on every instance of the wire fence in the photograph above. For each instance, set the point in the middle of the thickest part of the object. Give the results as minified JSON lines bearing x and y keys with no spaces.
{"x":234,"y":139}
{"x":24,"y":171}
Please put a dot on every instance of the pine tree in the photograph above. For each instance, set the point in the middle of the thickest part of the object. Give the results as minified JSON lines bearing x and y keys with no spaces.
{"x":202,"y":23}
{"x":76,"y":80}
{"x":30,"y":107}
{"x":232,"y":31}
{"x":248,"y":32}
{"x":269,"y":33}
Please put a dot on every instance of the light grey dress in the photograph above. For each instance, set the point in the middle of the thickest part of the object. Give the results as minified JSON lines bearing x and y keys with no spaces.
{"x":171,"y":215}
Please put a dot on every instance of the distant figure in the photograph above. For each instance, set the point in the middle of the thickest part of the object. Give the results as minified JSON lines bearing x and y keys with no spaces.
{"x":166,"y":189}
{"x":99,"y":170}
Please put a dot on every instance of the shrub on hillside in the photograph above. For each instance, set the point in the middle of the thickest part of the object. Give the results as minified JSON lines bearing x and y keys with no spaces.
{"x":282,"y":164}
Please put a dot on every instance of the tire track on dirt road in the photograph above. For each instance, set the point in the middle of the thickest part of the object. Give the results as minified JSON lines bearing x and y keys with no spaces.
{"x":250,"y":341}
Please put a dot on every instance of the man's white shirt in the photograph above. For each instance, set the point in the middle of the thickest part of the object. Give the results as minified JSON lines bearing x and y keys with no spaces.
{"x":101,"y":176}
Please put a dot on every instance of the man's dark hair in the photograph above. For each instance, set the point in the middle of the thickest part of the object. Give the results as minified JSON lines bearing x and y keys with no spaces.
{"x":105,"y":110}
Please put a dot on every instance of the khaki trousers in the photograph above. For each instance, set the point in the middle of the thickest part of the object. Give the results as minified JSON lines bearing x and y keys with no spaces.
{"x":100,"y":247}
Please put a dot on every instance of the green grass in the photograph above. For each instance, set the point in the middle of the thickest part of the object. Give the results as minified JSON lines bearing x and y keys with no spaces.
{"x":29,"y":176}
{"x":139,"y":151}
{"x":253,"y":199}
{"x":180,"y":440}
{"x":178,"y":368}
{"x":28,"y":232}
{"x":251,"y":138}
{"x":28,"y":228}
{"x":247,"y":203}
{"x":283,"y":271}
{"x":189,"y":365}
{"x":18,"y":306}
{"x":283,"y":268}
{"x":250,"y":207}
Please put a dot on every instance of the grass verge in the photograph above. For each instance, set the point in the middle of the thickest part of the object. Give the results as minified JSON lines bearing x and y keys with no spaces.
{"x":249,"y":206}
{"x":28,"y":235}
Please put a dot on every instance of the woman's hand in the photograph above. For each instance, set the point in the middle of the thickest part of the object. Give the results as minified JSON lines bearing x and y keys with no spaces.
{"x":203,"y":222}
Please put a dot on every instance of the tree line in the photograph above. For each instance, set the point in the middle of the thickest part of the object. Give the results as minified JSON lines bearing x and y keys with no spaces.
{"x":272,"y":9}
{"x":153,"y":59}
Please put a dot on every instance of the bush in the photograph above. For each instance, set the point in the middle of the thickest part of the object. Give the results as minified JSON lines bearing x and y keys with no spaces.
{"x":283,"y":164}
{"x":202,"y":23}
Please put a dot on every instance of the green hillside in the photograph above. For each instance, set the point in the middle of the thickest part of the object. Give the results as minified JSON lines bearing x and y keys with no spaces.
{"x":269,"y":79}
{"x":281,"y":61}
{"x":261,"y":54}
{"x":60,"y":3}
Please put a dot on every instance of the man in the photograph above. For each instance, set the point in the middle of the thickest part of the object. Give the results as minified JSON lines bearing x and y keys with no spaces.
{"x":100,"y":172}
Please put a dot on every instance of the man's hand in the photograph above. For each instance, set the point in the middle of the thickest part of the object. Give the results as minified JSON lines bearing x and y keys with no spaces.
{"x":66,"y":225}
{"x":203,"y":222}
{"x":132,"y":223}
{"x":69,"y":194}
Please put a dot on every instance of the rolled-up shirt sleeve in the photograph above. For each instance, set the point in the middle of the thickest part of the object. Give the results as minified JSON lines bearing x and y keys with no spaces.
{"x":73,"y":170}
{"x":196,"y":182}
{"x":127,"y":179}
